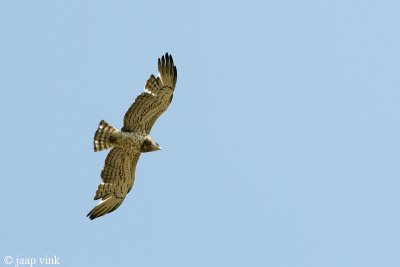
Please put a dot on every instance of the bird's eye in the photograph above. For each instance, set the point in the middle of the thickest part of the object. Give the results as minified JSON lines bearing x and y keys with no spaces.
{"x":147,"y":142}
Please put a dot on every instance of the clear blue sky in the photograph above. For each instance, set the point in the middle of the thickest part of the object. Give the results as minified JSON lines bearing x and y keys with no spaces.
{"x":281,"y":147}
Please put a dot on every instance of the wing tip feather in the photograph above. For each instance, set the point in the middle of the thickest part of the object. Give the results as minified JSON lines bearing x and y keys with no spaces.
{"x":105,"y":206}
{"x":167,"y":69}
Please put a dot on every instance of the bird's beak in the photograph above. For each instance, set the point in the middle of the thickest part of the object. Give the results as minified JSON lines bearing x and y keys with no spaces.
{"x":159,"y":148}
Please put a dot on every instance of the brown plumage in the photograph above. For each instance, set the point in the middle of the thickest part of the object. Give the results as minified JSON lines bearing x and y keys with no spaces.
{"x":118,"y":174}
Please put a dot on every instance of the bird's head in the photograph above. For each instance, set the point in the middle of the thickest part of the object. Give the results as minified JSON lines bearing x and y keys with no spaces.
{"x":148,"y":145}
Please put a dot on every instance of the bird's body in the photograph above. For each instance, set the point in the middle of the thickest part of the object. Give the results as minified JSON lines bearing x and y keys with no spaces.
{"x":126,"y":145}
{"x":125,"y":140}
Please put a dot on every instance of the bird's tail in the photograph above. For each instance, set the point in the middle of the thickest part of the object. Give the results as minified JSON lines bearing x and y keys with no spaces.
{"x":103,"y":137}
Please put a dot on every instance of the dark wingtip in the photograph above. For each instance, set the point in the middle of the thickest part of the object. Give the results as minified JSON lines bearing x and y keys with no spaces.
{"x":94,"y":213}
{"x":166,"y":66}
{"x":90,"y":216}
{"x":176,"y":75}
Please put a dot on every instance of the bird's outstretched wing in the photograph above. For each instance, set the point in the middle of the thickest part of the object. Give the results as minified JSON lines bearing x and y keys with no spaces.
{"x":118,"y":177}
{"x":155,"y":99}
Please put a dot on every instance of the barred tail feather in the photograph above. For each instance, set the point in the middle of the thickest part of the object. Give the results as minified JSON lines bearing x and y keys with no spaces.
{"x":102,"y":136}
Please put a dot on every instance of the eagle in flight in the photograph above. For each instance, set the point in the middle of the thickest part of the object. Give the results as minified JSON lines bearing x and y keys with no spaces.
{"x":118,"y":174}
